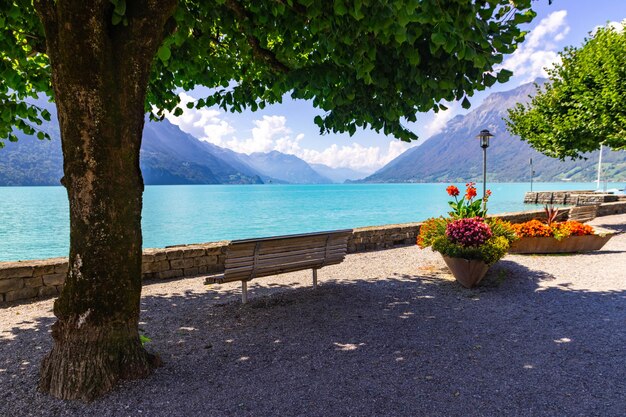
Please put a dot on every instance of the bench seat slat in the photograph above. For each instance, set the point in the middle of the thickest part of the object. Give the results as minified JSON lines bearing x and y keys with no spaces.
{"x":238,"y":250}
{"x":274,"y":262}
{"x":268,"y":271}
{"x":231,"y":260}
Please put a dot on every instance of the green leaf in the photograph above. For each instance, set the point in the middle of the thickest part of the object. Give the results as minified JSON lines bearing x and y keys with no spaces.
{"x":489,"y":80}
{"x":120,"y":7}
{"x":340,"y":7}
{"x":504,"y":75}
{"x":164,"y":53}
{"x":466,"y":103}
{"x":116,"y":19}
{"x":438,"y":38}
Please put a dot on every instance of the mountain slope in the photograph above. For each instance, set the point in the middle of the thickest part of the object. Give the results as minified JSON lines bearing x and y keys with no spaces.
{"x":338,"y":175}
{"x":168,"y":156}
{"x":284,"y":167}
{"x":455,"y":155}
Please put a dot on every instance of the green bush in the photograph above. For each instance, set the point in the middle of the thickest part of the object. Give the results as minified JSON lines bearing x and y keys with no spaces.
{"x":489,"y":252}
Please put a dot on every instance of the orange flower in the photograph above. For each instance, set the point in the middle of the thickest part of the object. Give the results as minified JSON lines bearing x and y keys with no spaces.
{"x":533,"y":228}
{"x":470,"y":193}
{"x":487,"y":195}
{"x":452,"y":190}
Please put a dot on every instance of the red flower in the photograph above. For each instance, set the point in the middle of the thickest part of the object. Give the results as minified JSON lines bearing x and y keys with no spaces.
{"x":470,"y":193}
{"x":452,"y":190}
{"x":487,"y":195}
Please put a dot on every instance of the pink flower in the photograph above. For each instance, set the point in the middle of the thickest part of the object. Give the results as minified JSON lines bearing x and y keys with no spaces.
{"x":468,"y":232}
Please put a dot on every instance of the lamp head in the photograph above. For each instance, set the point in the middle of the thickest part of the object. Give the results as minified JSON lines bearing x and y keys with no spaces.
{"x":484,"y":136}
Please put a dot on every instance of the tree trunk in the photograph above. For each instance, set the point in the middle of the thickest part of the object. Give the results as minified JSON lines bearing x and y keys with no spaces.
{"x":100,"y":75}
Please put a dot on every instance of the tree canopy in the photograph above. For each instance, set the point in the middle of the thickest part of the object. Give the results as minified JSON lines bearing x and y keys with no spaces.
{"x":584,"y":103}
{"x":365,"y":63}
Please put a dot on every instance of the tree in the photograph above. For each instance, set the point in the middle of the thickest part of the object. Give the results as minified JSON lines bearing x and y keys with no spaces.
{"x":108,"y":62}
{"x":584,"y":103}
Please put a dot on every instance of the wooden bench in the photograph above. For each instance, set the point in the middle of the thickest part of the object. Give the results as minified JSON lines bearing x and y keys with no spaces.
{"x":583,"y":213}
{"x":254,"y":258}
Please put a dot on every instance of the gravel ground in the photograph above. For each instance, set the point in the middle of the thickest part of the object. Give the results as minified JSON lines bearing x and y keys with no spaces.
{"x":386,"y":333}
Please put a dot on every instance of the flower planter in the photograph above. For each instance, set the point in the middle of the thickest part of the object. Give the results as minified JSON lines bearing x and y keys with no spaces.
{"x":571,"y":244}
{"x":468,"y":272}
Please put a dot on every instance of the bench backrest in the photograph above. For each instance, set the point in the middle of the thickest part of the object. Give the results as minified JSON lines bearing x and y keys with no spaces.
{"x":583,"y":213}
{"x":251,"y":258}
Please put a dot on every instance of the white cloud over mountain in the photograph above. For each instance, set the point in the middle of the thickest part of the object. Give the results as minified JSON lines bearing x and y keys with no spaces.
{"x":538,"y":50}
{"x":272,"y":133}
{"x":440,"y":119}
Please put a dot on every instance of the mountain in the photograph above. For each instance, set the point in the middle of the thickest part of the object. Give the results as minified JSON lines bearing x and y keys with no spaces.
{"x":283,"y":167}
{"x":454,"y":155}
{"x":168,"y":156}
{"x":338,"y":175}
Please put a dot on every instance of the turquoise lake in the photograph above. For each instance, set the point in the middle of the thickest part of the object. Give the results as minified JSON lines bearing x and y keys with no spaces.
{"x":34,"y":220}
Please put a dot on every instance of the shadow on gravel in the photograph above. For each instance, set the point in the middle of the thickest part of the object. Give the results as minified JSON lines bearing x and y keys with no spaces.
{"x":616,"y":227}
{"x":406,"y":345}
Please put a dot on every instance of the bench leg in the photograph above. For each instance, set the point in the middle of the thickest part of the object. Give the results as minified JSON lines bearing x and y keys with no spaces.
{"x":314,"y":278}
{"x":244,"y":292}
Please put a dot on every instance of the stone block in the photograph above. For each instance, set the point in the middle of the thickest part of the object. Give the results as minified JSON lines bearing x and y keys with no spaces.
{"x":182,"y":263}
{"x":189,"y":272}
{"x":193,"y":253}
{"x":54,"y":279}
{"x":12,"y":284}
{"x":203,"y":269}
{"x":172,"y":273}
{"x":149,"y":275}
{"x":216,"y":248}
{"x":61,"y":268}
{"x":15,"y":270}
{"x":21,"y":294}
{"x":33,"y":282}
{"x":202,"y":260}
{"x":160,"y":256}
{"x":149,"y":267}
{"x":147,"y":258}
{"x":174,"y":253}
{"x":40,"y":270}
{"x":47,"y":291}
{"x":214,"y":268}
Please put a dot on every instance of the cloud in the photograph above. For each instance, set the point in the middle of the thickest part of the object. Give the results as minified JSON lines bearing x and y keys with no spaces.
{"x":440,"y":120}
{"x":266,"y":133}
{"x":205,"y":124}
{"x":271,"y":133}
{"x":538,"y":50}
{"x":355,"y":156}
{"x":616,"y":26}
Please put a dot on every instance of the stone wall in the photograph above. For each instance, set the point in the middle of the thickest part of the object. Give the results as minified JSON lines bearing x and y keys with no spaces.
{"x":568,"y":197}
{"x":44,"y":278}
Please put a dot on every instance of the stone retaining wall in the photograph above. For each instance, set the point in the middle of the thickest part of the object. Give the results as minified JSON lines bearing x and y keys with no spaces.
{"x":569,"y":197}
{"x":44,"y":278}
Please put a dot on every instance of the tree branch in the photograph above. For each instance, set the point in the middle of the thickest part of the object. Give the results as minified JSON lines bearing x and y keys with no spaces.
{"x":260,"y":53}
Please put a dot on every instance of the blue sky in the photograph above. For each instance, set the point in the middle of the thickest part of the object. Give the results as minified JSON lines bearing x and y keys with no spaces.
{"x":289,"y":127}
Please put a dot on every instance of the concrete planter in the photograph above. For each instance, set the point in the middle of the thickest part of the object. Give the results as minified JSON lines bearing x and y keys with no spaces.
{"x":572,"y":244}
{"x":468,"y":272}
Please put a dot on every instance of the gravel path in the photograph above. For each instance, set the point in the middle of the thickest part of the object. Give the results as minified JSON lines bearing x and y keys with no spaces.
{"x":386,"y":333}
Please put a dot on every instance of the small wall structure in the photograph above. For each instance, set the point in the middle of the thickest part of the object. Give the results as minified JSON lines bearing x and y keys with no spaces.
{"x":576,"y":198}
{"x":44,"y":278}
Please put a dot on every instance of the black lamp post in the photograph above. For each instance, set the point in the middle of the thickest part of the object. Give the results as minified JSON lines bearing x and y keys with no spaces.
{"x":484,"y":136}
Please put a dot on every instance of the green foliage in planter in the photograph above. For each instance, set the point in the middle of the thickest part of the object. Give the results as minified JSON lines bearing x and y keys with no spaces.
{"x":489,"y":252}
{"x":502,"y":228}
